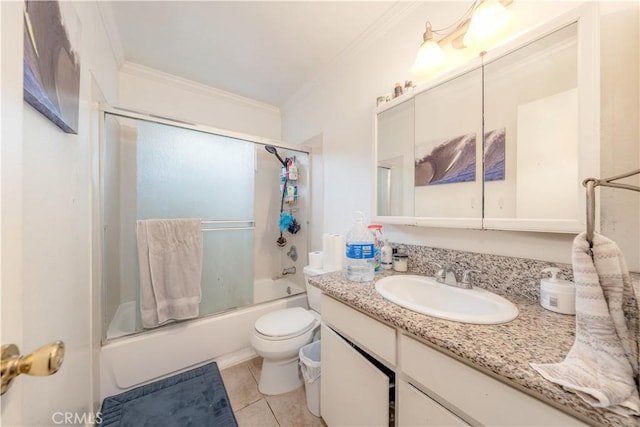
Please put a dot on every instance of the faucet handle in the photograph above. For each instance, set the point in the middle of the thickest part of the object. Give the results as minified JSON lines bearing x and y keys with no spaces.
{"x":466,"y":280}
{"x":440,"y":273}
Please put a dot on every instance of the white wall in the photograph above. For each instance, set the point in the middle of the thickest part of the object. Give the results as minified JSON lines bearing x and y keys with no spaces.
{"x":339,"y":103}
{"x":147,"y":90}
{"x":620,"y":132}
{"x":56,"y":225}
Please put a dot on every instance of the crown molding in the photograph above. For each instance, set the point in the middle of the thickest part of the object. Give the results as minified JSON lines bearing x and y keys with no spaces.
{"x":192,"y":86}
{"x":111,"y":28}
{"x":380,"y":27}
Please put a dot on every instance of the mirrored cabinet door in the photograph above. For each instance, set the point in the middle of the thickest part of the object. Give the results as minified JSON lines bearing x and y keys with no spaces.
{"x":531,"y":131}
{"x":394,"y":171}
{"x":503,"y":144}
{"x":448,"y":151}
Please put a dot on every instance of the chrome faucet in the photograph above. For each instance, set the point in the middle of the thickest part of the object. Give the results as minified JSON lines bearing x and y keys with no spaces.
{"x":290,"y":270}
{"x":447,"y":276}
{"x":466,"y":280}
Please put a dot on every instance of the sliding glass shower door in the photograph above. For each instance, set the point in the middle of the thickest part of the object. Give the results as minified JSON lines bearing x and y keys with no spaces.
{"x":158,"y":171}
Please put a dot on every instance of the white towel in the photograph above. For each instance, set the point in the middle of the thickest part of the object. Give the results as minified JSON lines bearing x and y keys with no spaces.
{"x":170,"y":264}
{"x":602,"y":365}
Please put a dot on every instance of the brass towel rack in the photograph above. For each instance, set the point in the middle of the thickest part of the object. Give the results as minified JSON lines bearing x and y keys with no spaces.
{"x":591,"y":184}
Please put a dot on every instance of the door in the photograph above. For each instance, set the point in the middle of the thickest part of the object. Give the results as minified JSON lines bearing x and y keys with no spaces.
{"x":354,"y":392}
{"x":11,"y":200}
{"x":45,"y":252}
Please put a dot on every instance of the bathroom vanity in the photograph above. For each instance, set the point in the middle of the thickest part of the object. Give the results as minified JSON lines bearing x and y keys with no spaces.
{"x":386,"y":365}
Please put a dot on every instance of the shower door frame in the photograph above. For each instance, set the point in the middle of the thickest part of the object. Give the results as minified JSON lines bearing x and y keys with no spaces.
{"x":103,"y":110}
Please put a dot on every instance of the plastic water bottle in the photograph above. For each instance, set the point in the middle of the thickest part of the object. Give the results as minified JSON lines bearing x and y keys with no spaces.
{"x":360,"y":251}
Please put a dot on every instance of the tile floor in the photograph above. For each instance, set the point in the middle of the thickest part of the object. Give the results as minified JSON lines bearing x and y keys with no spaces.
{"x":253,"y":408}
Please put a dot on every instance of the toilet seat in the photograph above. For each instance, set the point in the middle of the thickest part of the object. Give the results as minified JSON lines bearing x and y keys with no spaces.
{"x":285,"y":324}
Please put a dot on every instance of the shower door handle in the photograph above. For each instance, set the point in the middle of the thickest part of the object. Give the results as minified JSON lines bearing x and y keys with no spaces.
{"x":44,"y":361}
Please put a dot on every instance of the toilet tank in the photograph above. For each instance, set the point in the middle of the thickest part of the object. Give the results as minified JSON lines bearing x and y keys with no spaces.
{"x":313,"y":293}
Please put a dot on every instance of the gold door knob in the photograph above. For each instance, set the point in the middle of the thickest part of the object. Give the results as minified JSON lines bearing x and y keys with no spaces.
{"x":44,"y":361}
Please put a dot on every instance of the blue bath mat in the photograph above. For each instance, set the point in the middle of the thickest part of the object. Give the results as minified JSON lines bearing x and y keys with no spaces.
{"x":196,"y":398}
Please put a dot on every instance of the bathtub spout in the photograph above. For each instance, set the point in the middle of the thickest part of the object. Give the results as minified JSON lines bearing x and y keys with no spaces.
{"x":290,"y":270}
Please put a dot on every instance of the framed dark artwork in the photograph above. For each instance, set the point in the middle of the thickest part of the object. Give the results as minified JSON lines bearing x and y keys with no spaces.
{"x":51,"y":66}
{"x":444,"y":162}
{"x":494,"y":143}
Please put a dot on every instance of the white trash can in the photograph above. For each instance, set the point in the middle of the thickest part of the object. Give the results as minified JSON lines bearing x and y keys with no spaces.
{"x":310,"y":366}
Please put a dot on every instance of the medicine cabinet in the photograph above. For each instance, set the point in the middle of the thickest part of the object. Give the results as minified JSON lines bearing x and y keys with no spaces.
{"x":501,"y":143}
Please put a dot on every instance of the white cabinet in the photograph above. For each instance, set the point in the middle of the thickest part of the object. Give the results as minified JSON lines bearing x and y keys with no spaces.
{"x":433,"y":389}
{"x":488,"y":126}
{"x":354,"y":392}
{"x":417,"y":409}
{"x":478,"y":396}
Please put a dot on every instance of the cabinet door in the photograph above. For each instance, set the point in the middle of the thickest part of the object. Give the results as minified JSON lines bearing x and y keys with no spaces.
{"x":354,"y":392}
{"x":417,"y":409}
{"x":448,"y":152}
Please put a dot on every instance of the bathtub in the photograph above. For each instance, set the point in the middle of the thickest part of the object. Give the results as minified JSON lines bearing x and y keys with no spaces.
{"x":225,"y":338}
{"x":124,"y":320}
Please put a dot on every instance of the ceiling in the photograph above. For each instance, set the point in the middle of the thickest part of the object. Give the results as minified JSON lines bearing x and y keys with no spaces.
{"x":264,"y":50}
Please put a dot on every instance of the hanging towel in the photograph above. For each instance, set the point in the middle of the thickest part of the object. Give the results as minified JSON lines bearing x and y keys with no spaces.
{"x":170,"y":264}
{"x":602,"y":365}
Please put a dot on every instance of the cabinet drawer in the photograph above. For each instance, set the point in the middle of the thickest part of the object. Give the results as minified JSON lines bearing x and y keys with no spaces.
{"x":417,"y":409}
{"x":373,"y":336}
{"x":482,"y":398}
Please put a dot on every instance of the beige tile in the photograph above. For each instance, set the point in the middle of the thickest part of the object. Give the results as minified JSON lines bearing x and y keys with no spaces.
{"x":255,"y":365}
{"x":241,"y":387}
{"x":257,"y":414}
{"x":290,"y":409}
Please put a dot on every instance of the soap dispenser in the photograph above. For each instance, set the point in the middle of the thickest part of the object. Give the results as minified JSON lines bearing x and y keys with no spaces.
{"x":556,"y":294}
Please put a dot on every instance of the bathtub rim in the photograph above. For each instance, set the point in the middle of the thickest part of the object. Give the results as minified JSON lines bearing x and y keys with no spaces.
{"x":180,"y":323}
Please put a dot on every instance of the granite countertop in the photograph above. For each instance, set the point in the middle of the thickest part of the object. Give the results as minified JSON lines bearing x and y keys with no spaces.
{"x":504,"y":350}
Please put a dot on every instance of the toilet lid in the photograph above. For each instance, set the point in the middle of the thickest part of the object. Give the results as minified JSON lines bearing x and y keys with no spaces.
{"x":284,"y":322}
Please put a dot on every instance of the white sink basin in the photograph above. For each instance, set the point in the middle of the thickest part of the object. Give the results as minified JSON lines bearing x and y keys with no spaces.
{"x":425,"y":295}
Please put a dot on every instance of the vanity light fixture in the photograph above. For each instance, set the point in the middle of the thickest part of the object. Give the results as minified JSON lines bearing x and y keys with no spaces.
{"x":483,"y":19}
{"x":430,"y":56}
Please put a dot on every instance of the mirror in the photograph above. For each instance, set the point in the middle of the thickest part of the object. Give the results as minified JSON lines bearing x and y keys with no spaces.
{"x":531,"y":131}
{"x":502,"y":144}
{"x":395,"y":154}
{"x":448,"y":148}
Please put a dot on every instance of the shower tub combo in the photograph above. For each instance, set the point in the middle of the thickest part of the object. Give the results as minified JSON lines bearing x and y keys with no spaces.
{"x":233,"y":184}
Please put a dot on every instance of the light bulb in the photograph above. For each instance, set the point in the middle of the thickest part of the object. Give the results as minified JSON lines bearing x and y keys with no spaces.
{"x":488,"y":20}
{"x":430,"y":56}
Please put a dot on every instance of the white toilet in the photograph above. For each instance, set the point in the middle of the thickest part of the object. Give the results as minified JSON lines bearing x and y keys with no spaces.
{"x":278,"y":337}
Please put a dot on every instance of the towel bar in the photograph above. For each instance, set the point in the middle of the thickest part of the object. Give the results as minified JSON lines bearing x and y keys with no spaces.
{"x":228,"y":229}
{"x":250,"y":224}
{"x":590,"y":184}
